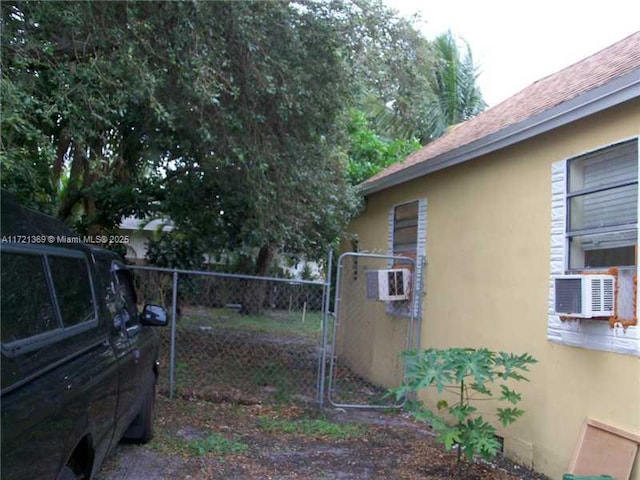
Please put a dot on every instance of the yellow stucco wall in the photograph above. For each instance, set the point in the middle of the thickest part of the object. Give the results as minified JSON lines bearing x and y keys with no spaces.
{"x":487,"y":284}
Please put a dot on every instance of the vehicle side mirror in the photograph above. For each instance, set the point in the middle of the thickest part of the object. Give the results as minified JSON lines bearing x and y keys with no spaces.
{"x":153,"y":315}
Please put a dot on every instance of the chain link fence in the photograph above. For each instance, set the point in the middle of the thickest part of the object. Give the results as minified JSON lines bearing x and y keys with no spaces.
{"x":238,"y":338}
{"x":376,"y":308}
{"x":244,"y":339}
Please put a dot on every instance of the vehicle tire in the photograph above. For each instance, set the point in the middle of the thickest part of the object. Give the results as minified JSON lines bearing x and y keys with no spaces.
{"x":67,"y":474}
{"x":141,"y":429}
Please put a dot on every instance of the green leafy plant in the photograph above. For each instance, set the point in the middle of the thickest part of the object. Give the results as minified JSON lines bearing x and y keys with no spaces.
{"x":467,"y":374}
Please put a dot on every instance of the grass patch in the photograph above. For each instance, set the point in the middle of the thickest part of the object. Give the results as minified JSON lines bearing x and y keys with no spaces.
{"x":317,"y":428}
{"x":215,"y":444}
{"x":181,"y":375}
{"x":275,"y":322}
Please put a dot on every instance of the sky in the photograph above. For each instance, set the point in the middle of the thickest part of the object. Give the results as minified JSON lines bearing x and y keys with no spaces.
{"x":514,"y":43}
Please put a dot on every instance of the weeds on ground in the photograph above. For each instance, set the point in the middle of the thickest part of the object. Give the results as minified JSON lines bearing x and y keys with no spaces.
{"x":192,"y":428}
{"x":207,"y":440}
{"x":216,"y":444}
{"x":317,"y":428}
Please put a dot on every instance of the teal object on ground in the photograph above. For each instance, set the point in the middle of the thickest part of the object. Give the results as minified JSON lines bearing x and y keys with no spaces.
{"x":571,"y":476}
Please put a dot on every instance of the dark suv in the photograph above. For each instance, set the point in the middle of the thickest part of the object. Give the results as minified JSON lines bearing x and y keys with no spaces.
{"x":79,"y":363}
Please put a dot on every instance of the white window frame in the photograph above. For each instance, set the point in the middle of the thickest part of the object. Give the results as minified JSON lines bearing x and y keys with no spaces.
{"x":613,"y":186}
{"x":583,"y":333}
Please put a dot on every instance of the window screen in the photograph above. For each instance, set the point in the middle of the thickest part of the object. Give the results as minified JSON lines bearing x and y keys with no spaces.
{"x":27,"y":309}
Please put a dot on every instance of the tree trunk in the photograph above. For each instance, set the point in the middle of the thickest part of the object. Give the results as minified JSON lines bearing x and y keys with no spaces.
{"x":91,"y":176}
{"x":263,"y":261}
{"x":64,"y":143}
{"x":256,"y":290}
{"x":73,"y":193}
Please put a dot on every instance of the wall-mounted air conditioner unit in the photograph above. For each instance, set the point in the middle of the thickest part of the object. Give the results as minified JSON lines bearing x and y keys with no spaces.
{"x":389,"y":285}
{"x":585,"y":296}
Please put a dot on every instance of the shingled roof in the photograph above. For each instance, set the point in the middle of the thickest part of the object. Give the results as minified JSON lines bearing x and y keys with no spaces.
{"x":604,"y":79}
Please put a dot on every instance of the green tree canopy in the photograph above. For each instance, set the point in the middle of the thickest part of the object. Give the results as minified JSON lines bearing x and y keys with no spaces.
{"x":81,"y":94}
{"x":224,"y":116}
{"x":456,"y":95}
{"x":391,"y":64}
{"x":369,"y":153}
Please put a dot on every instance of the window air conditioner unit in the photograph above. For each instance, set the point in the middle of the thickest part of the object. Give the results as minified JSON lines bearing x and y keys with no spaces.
{"x":585,"y":296}
{"x":393,"y":284}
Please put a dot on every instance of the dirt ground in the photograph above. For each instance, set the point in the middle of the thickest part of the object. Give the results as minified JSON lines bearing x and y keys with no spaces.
{"x":199,"y":439}
{"x":245,"y":410}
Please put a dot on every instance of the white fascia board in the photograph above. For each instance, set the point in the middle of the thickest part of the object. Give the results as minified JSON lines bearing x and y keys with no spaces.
{"x":615,"y":92}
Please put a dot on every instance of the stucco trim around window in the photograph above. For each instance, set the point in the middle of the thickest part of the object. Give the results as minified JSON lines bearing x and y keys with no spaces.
{"x":584,"y":333}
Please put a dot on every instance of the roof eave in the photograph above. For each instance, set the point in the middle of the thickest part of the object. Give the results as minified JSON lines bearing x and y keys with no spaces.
{"x":615,"y":92}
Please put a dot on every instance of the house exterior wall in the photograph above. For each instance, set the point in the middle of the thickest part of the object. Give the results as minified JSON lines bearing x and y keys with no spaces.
{"x":487,"y":284}
{"x":137,"y":246}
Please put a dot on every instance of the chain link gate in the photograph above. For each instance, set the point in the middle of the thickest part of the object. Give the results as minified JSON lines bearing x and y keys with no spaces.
{"x":377,"y":312}
{"x":238,"y":338}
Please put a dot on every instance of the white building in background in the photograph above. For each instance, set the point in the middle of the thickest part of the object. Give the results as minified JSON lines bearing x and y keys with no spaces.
{"x":140,"y":231}
{"x":296,"y":271}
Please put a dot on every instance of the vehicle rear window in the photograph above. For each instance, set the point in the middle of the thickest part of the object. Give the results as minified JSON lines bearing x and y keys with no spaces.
{"x":120,"y":294}
{"x":27,"y":309}
{"x":73,"y":289}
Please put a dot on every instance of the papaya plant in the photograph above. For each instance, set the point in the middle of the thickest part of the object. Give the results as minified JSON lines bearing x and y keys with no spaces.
{"x":469,"y":375}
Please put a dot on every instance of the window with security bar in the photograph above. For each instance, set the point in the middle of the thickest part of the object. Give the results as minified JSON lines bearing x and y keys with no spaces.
{"x":405,"y":226}
{"x":396,"y":283}
{"x":602,"y":208}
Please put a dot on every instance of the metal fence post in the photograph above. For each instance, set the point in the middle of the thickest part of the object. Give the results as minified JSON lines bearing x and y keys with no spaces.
{"x":322,"y":367}
{"x":172,"y":345}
